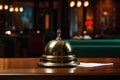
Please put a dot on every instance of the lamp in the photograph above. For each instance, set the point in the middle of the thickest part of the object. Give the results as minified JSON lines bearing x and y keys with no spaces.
{"x":75,"y":21}
{"x":16,"y":8}
{"x":8,"y":32}
{"x":86,"y":3}
{"x":3,"y":5}
{"x":72,"y":3}
{"x":89,"y":23}
{"x":11,"y":8}
{"x":79,"y":3}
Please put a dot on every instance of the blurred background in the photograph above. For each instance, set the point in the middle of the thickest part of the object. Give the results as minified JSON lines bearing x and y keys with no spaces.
{"x":27,"y":25}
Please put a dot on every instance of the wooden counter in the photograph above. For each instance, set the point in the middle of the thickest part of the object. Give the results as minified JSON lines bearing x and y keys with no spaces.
{"x":27,"y":68}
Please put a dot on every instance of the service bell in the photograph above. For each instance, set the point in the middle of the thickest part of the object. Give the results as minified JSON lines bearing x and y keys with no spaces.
{"x":58,"y":53}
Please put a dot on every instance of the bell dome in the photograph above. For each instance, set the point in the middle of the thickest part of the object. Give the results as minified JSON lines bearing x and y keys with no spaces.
{"x":58,"y":48}
{"x":57,"y":53}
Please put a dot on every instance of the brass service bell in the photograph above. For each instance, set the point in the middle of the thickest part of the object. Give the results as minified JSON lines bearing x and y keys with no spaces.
{"x":58,"y":53}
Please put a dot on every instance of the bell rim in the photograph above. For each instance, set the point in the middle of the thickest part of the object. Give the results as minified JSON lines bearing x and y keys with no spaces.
{"x":50,"y":64}
{"x":54,"y":56}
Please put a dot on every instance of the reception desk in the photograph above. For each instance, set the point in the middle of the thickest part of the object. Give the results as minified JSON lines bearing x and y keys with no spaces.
{"x":96,"y":47}
{"x":14,"y":46}
{"x":27,"y":69}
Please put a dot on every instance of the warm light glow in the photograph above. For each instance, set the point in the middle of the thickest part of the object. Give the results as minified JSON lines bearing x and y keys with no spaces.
{"x":8,"y":32}
{"x":89,"y":23}
{"x":21,"y":9}
{"x":1,"y":7}
{"x":5,"y":7}
{"x":16,"y":9}
{"x":84,"y":32}
{"x":47,"y":21}
{"x":11,"y":9}
{"x":72,"y":3}
{"x":86,"y":3}
{"x":79,"y":3}
{"x":105,"y":13}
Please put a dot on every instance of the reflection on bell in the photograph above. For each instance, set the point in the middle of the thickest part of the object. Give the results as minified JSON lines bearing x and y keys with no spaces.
{"x":58,"y":53}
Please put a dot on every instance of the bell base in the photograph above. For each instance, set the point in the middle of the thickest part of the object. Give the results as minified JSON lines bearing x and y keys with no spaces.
{"x":58,"y":61}
{"x":50,"y":64}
